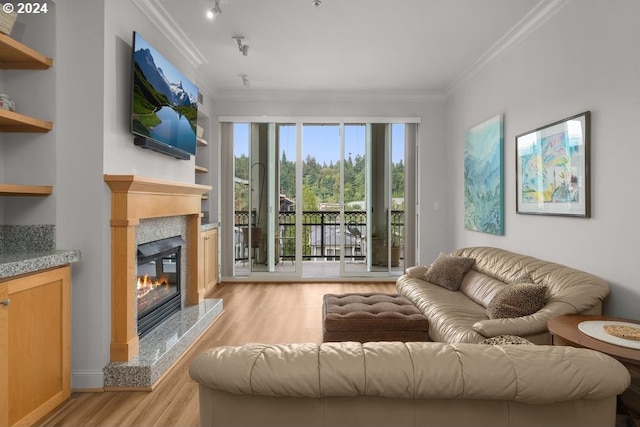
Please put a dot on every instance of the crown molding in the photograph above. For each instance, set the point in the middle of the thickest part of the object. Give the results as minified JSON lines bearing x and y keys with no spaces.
{"x":323,"y":96}
{"x":159,"y":16}
{"x":538,"y":16}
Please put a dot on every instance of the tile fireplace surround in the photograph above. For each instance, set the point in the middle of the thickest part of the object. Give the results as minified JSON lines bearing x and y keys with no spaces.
{"x":139,"y":363}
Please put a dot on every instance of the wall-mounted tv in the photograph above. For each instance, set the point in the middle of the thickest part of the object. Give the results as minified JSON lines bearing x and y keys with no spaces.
{"x":164,"y":109}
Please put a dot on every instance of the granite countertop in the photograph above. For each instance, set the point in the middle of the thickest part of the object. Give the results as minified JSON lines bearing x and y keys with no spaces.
{"x":209,"y":226}
{"x":15,"y":263}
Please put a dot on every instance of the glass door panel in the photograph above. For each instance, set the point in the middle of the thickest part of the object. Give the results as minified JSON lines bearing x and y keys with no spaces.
{"x":263,"y":197}
{"x":397,"y":197}
{"x":379,"y":188}
{"x":355,"y":240}
{"x":242,"y":218}
{"x":286,"y":135}
{"x":321,"y":200}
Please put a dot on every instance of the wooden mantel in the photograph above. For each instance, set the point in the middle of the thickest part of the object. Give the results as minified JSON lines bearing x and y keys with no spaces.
{"x":134,"y":198}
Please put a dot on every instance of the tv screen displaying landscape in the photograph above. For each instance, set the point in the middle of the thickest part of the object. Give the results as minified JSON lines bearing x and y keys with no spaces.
{"x":165,"y":103}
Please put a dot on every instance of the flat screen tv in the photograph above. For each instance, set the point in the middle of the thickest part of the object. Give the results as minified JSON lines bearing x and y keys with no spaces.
{"x":164,"y":109}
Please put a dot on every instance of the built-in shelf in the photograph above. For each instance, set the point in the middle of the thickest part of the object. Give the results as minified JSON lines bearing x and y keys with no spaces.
{"x":11,"y":121}
{"x":201,"y":141}
{"x":25,"y":190}
{"x":16,"y":56}
{"x":201,"y":169}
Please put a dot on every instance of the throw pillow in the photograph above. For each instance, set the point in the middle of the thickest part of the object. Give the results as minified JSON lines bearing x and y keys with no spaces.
{"x":506,"y":339}
{"x":516,"y":300}
{"x":416,"y":271}
{"x":448,"y":270}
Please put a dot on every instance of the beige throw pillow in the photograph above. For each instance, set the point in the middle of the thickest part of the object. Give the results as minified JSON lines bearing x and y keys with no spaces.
{"x":416,"y":271}
{"x":517,"y":300}
{"x":448,"y":270}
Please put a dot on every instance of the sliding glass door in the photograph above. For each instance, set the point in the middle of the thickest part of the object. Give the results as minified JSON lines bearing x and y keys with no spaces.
{"x":315,"y":199}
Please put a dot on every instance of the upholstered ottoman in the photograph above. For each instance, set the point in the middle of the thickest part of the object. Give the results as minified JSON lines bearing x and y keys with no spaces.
{"x":372,"y":317}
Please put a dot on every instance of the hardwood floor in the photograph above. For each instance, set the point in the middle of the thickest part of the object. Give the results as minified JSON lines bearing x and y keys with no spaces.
{"x":257,"y":312}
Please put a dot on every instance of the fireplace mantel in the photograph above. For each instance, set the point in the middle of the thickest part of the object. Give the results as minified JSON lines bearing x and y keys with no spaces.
{"x":134,"y":198}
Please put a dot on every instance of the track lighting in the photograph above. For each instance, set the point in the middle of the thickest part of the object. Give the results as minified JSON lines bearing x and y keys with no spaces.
{"x":243,"y":48}
{"x":215,"y":10}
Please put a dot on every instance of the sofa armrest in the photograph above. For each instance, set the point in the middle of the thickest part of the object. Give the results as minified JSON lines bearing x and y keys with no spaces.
{"x":533,"y":324}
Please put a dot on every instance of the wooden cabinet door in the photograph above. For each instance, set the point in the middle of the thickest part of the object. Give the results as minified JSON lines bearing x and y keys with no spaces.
{"x":4,"y":355}
{"x":39,"y":344}
{"x":210,"y":259}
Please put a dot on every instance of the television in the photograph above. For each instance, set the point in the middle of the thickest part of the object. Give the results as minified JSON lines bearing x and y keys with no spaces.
{"x":164,"y":110}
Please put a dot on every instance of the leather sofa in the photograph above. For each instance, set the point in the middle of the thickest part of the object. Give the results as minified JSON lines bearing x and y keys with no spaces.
{"x":407,"y":384}
{"x":461,"y":316}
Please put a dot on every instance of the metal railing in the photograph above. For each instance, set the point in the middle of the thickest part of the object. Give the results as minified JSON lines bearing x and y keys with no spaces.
{"x":320,"y":234}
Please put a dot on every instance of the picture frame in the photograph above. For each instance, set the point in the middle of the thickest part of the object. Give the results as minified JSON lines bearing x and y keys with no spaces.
{"x":553,"y":168}
{"x":484,"y":177}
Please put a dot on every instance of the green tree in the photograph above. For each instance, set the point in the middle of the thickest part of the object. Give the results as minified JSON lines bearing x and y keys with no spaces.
{"x":309,"y":199}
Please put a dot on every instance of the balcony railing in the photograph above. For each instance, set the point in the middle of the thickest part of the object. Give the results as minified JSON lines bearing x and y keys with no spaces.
{"x":320,"y":235}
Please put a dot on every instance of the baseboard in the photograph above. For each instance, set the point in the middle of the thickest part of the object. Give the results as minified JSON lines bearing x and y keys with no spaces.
{"x":82,"y":380}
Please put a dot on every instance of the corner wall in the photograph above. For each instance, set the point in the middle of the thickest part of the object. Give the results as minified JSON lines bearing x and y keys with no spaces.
{"x":93,"y":81}
{"x":585,"y":57}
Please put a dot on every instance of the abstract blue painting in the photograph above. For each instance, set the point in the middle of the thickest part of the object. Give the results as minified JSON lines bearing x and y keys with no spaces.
{"x":484,"y":176}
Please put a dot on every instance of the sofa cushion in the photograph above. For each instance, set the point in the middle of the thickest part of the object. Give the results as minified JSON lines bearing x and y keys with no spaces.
{"x":451,"y":314}
{"x":447,"y":271}
{"x":517,"y":300}
{"x":480,"y":287}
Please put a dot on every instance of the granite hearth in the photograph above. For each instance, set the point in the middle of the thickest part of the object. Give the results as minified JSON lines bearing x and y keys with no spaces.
{"x":162,"y":347}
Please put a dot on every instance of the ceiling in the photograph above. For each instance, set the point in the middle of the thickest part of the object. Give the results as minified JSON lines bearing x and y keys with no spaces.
{"x":425,"y":46}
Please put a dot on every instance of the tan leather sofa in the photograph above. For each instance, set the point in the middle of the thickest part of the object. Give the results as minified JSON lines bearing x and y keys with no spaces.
{"x":407,"y":384}
{"x":461,"y":316}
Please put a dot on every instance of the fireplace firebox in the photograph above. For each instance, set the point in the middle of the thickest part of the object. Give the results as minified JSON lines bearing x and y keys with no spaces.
{"x":158,"y":282}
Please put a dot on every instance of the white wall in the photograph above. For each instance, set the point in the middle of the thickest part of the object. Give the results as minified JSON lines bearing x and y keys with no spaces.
{"x":93,"y":81}
{"x":585,"y":57}
{"x":83,"y":198}
{"x":26,"y":157}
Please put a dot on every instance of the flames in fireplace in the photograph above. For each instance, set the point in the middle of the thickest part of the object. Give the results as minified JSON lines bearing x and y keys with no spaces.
{"x":151,"y":290}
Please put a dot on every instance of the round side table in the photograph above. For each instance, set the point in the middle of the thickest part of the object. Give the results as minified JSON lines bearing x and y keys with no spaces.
{"x":564,"y":331}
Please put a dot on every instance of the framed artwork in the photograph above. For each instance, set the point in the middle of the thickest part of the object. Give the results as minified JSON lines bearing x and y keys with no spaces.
{"x":483,"y":177}
{"x":552,"y":168}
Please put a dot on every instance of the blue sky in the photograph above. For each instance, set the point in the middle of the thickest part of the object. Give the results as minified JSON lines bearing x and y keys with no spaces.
{"x":323,"y":142}
{"x":168,"y":69}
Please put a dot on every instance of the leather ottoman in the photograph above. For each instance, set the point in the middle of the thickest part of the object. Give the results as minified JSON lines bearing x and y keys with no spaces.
{"x":372,"y":317}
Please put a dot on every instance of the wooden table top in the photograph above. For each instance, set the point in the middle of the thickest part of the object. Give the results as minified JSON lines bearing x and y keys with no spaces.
{"x":566,"y":328}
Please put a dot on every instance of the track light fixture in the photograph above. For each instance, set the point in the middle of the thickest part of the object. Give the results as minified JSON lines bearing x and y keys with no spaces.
{"x":242,"y":47}
{"x":215,"y":10}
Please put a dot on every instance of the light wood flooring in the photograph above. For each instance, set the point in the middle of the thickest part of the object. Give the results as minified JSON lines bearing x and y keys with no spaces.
{"x":257,"y":312}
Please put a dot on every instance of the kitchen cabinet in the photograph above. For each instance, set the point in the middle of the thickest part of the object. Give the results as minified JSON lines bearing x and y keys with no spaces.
{"x":35,"y":345}
{"x":209,"y":259}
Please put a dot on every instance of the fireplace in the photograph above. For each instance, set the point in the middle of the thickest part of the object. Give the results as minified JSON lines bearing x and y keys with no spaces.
{"x":158,"y":282}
